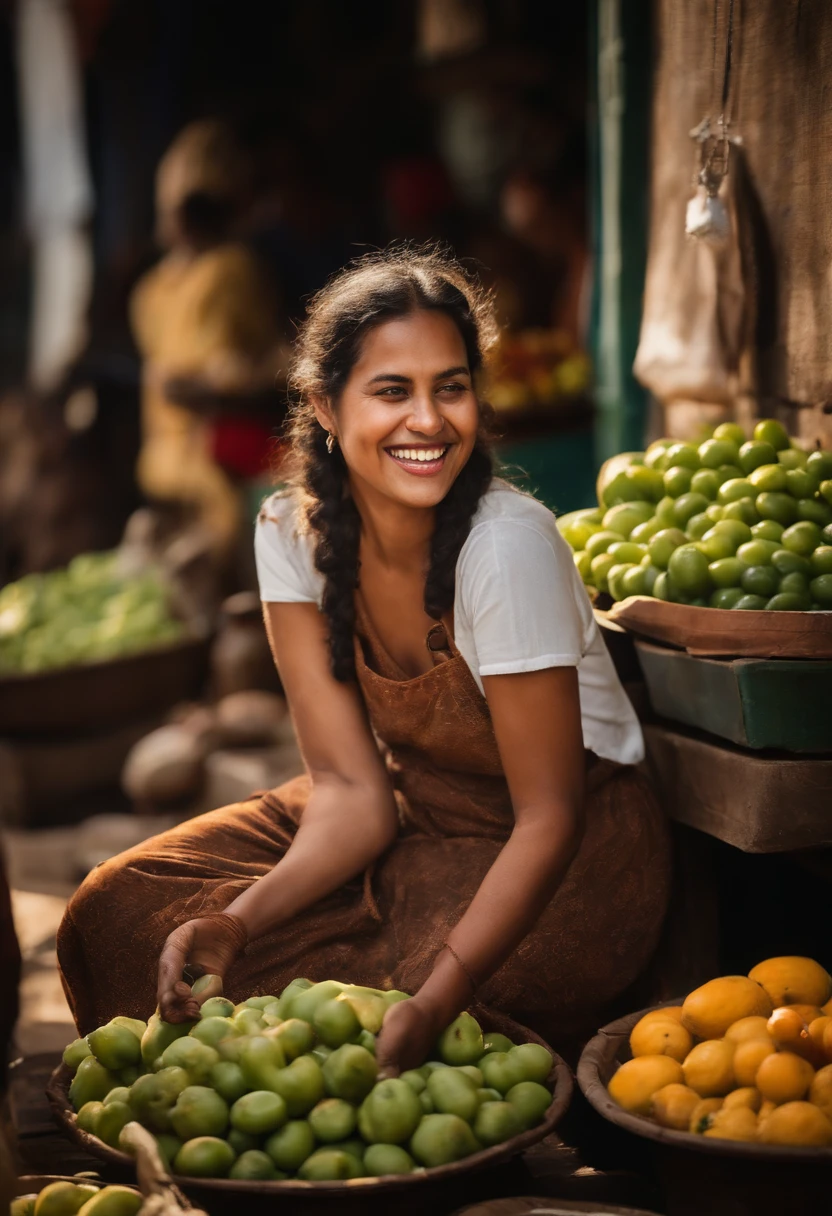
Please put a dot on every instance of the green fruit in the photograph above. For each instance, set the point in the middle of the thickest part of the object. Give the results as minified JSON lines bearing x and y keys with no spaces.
{"x":253,"y":1166}
{"x":663,"y":544}
{"x":154,"y":1095}
{"x":210,"y":1031}
{"x":216,"y":1007}
{"x":109,"y":1121}
{"x":427,"y":1102}
{"x":63,"y":1198}
{"x":780,"y":507}
{"x":204,"y":1157}
{"x":642,"y":533}
{"x":769,"y":477}
{"x":414,"y":1079}
{"x":662,"y":589}
{"x":369,"y":1007}
{"x":289,"y":1147}
{"x":500,"y":1071}
{"x":533,"y":1060}
{"x":734,"y":489}
{"x":821,"y":560}
{"x":441,"y":1139}
{"x":295,"y":1037}
{"x":113,"y":1201}
{"x":91,"y":1083}
{"x":768,"y":430}
{"x":121,"y":1093}
{"x":159,"y":1035}
{"x":114,"y":1046}
{"x":329,"y":1165}
{"x":682,"y":453}
{"x":354,"y":1147}
{"x":199,"y":1111}
{"x":788,"y":602}
{"x":207,"y":986}
{"x":627,"y":551}
{"x":241,"y":1142}
{"x":677,"y":480}
{"x":304,"y":1003}
{"x":453,"y":1093}
{"x":262,"y":1061}
{"x":321,"y":1053}
{"x":498,"y":1042}
{"x":827,"y":534}
{"x":794,"y":584}
{"x":614,"y":575}
{"x":724,"y":573}
{"x":687,"y":506}
{"x":258,"y":1113}
{"x":718,"y":545}
{"x":391,"y":1112}
{"x":728,"y":472}
{"x":497,"y":1122}
{"x":349,"y":1073}
{"x":383,"y":1159}
{"x":601,"y":567}
{"x":135,"y":1025}
{"x":600,"y":542}
{"x":336,"y":1023}
{"x":228,"y":1080}
{"x":651,"y":573}
{"x":248,"y":1021}
{"x":732,"y":431}
{"x":821,"y":590}
{"x":757,"y":552}
{"x":333,"y":1119}
{"x":472,"y":1072}
{"x":130,"y":1074}
{"x":87,"y":1116}
{"x":368,"y":1040}
{"x":714,"y":452}
{"x":801,"y":538}
{"x":698,"y":526}
{"x":261,"y":1002}
{"x":626,"y":516}
{"x":655,"y":453}
{"x":290,"y":991}
{"x":800,"y":483}
{"x":688,"y":569}
{"x":75,"y":1052}
{"x":23,"y":1205}
{"x":750,"y":603}
{"x":818,"y":512}
{"x":664,"y":512}
{"x":195,"y":1057}
{"x":705,"y":482}
{"x":786,"y":562}
{"x":462,"y":1041}
{"x":646,"y":483}
{"x":489,"y":1095}
{"x":583,"y":564}
{"x":792,"y":458}
{"x":826,"y":490}
{"x":577,"y":535}
{"x":760,"y":580}
{"x":531,"y":1101}
{"x":819,"y":464}
{"x":767,"y":529}
{"x":725,"y":597}
{"x":301,"y":1083}
{"x":743,"y":509}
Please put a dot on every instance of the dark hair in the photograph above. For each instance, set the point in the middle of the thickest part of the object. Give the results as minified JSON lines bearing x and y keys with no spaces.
{"x":376,"y":288}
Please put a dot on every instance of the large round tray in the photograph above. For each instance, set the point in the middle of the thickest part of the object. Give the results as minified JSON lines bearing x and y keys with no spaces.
{"x":559,"y":1080}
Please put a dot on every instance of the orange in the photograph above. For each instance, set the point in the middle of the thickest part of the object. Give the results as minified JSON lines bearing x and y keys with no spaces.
{"x":732,"y":1123}
{"x":747,"y":1096}
{"x":784,"y":1077}
{"x":673,"y":1106}
{"x":660,"y":1037}
{"x":701,"y":1114}
{"x":817,"y":1029}
{"x":748,"y":1057}
{"x":793,"y":980}
{"x":709,"y":1011}
{"x":807,"y":1012}
{"x":820,"y":1091}
{"x":667,"y":1011}
{"x":633,"y":1086}
{"x":798,"y":1123}
{"x":765,"y":1110}
{"x":747,"y":1029}
{"x":709,"y":1068}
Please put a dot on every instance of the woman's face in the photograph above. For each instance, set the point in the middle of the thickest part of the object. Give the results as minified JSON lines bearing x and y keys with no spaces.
{"x":407,"y":418}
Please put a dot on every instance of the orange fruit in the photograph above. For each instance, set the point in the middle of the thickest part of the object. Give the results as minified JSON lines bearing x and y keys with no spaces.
{"x":792,"y":980}
{"x":748,"y":1057}
{"x":709,"y":1069}
{"x":709,"y":1011}
{"x":701,"y":1113}
{"x":660,"y":1037}
{"x":674,"y":1012}
{"x":732,"y":1123}
{"x":765,"y":1110}
{"x":827,"y":1009}
{"x":635,"y":1082}
{"x":784,"y":1077}
{"x":673,"y":1106}
{"x":807,"y":1012}
{"x":747,"y":1096}
{"x":798,"y":1123}
{"x":817,"y":1029}
{"x":748,"y":1029}
{"x":820,"y":1091}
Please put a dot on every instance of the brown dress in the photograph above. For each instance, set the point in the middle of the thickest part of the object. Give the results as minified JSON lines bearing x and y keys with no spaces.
{"x":386,"y":928}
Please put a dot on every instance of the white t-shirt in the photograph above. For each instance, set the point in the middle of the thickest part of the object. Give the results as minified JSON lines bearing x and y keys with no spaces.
{"x":520,"y":604}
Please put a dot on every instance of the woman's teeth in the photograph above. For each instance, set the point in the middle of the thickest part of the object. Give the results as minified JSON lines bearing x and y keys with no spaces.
{"x":420,"y":454}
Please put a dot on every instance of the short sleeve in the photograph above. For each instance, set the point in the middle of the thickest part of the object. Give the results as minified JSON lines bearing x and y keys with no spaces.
{"x":517,"y":587}
{"x":285,"y":571}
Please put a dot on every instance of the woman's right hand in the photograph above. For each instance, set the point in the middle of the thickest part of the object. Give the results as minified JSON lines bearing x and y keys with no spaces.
{"x":211,"y":943}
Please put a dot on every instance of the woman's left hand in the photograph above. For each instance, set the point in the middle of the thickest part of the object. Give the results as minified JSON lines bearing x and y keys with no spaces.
{"x":406,"y":1038}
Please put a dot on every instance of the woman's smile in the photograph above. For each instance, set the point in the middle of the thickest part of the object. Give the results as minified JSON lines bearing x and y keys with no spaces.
{"x":422,"y":460}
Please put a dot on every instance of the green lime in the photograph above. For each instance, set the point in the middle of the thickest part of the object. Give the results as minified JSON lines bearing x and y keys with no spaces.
{"x":651,"y":573}
{"x":786,"y":562}
{"x":705,"y":481}
{"x":687,"y":506}
{"x":794,"y":584}
{"x":769,"y":430}
{"x":820,"y":465}
{"x":732,"y":431}
{"x":757,"y":552}
{"x":634,"y":581}
{"x":738,"y":531}
{"x":792,"y":458}
{"x":576,"y":535}
{"x":821,"y":560}
{"x":788,"y":602}
{"x":803,"y":537}
{"x":661,"y":588}
{"x":727,"y":571}
{"x":626,"y":516}
{"x":259,"y":1112}
{"x":384,"y":1159}
{"x":253,"y":1166}
{"x":715,"y":512}
{"x":744,"y":510}
{"x":781,"y":507}
{"x":583,"y":564}
{"x":728,"y":472}
{"x":204,"y":1157}
{"x":600,"y":542}
{"x":627,"y":551}
{"x":800,"y":483}
{"x":750,"y":603}
{"x":329,"y":1165}
{"x":289,"y":1147}
{"x":760,"y":580}
{"x":827,"y":534}
{"x":821,"y":589}
{"x":642,"y":532}
{"x":734,"y":489}
{"x":725,"y":597}
{"x":614,"y":576}
{"x":656,"y":455}
{"x":769,"y":477}
{"x":662,"y":545}
{"x":826,"y":490}
{"x":714,"y":452}
{"x":530,"y":1100}
{"x":241,"y":1142}
{"x":698,"y":525}
{"x":677,"y":480}
{"x":754,"y":454}
{"x":813,"y":509}
{"x":716,"y":545}
{"x":601,"y":566}
{"x":682,"y":453}
{"x":767,"y":529}
{"x":688,"y":569}
{"x":648,"y":482}
{"x":664,"y":511}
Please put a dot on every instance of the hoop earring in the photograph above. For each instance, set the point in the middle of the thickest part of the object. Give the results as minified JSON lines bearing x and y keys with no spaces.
{"x":330,"y":442}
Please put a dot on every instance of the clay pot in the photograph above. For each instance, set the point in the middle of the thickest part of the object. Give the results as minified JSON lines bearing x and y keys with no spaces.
{"x":240,"y":656}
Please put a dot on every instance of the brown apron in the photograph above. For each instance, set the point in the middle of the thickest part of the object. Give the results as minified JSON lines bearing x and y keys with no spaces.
{"x":385,"y":928}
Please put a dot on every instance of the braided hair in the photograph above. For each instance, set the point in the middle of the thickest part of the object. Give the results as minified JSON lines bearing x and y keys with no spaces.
{"x":374,"y":289}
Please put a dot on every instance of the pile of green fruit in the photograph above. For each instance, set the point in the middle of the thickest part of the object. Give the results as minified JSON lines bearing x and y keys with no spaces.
{"x":73,"y":1198}
{"x":280,"y":1087}
{"x":85,"y":613}
{"x":728,"y":524}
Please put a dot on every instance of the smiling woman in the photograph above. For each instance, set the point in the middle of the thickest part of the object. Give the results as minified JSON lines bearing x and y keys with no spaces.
{"x":471,"y":818}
